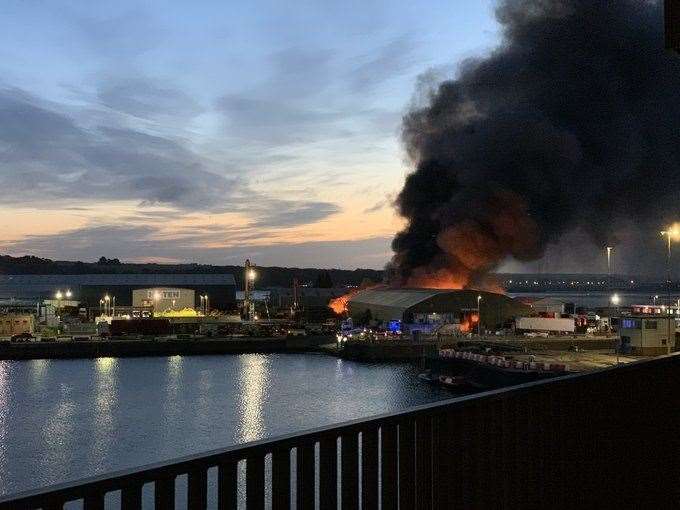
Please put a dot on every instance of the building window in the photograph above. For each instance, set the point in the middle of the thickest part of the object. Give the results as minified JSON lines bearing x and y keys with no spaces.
{"x":650,"y":324}
{"x":663,"y":341}
{"x":630,"y":324}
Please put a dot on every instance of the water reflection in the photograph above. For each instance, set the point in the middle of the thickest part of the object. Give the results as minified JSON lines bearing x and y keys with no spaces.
{"x":254,"y":380}
{"x":105,"y":406}
{"x":4,"y":410}
{"x":68,"y":419}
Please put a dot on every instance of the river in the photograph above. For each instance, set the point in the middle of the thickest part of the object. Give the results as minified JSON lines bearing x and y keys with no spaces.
{"x":64,"y":420}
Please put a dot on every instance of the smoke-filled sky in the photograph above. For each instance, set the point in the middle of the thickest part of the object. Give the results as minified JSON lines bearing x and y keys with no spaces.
{"x":210,"y":131}
{"x":214,"y":131}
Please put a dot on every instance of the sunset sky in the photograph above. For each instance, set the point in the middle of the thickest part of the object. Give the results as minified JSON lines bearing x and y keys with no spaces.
{"x":211,"y":131}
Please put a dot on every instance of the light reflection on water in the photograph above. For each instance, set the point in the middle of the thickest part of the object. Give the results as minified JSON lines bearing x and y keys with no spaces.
{"x":67,"y":419}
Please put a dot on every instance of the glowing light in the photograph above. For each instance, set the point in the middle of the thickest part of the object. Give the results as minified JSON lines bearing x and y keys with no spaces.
{"x":68,"y":294}
{"x":58,"y":295}
{"x":252,"y":274}
{"x":615,"y":299}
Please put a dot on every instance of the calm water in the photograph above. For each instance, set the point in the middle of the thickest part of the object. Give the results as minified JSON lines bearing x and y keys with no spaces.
{"x":66,"y":419}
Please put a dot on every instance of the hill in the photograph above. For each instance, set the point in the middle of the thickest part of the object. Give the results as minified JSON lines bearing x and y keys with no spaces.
{"x":266,"y":276}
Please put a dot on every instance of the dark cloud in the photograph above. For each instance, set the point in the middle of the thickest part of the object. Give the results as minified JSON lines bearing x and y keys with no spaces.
{"x":572,"y":122}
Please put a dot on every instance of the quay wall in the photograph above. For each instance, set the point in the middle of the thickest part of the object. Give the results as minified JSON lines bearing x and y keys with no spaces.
{"x":136,"y":348}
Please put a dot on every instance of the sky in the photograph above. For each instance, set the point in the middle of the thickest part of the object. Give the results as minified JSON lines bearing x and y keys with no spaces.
{"x":214,"y":131}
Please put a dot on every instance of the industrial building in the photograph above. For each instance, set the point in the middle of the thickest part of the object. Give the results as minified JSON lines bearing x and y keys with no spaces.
{"x":14,"y":324}
{"x":647,"y":335}
{"x":89,"y":289}
{"x":164,"y":298}
{"x":431,"y":306}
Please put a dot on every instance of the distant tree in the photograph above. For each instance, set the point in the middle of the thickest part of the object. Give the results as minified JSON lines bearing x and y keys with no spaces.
{"x":324,"y":280}
{"x":108,"y":262}
{"x":366,"y":317}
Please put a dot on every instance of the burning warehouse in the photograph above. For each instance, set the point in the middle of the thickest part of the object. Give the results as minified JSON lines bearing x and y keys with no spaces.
{"x":433,"y":306}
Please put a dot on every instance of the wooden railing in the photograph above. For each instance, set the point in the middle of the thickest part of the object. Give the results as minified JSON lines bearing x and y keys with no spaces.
{"x":605,"y":439}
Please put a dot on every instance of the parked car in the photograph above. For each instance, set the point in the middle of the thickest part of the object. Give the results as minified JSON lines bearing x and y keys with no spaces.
{"x":22,"y":337}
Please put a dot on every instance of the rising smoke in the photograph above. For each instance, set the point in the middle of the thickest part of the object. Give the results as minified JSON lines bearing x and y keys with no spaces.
{"x":572,"y":123}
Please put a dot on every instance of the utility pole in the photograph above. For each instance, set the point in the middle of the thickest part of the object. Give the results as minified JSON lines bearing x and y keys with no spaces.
{"x":248,"y":284}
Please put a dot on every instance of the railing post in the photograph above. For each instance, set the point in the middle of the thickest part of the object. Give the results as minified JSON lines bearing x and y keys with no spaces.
{"x":94,"y":501}
{"x":350,"y":471}
{"x":305,"y":476}
{"x":407,"y":464}
{"x":164,"y":493}
{"x":255,"y":482}
{"x":424,"y":462}
{"x":369,"y":468}
{"x":281,"y":478}
{"x":328,"y":473}
{"x":197,"y":493}
{"x":131,"y":497}
{"x":227,"y":484}
{"x":389,"y":466}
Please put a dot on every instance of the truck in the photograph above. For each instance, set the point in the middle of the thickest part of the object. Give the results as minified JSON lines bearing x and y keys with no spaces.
{"x":544,"y":324}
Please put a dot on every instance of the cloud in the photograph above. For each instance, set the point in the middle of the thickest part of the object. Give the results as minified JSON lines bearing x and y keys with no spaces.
{"x":288,"y":213}
{"x":391,"y":60}
{"x":147,"y":99}
{"x":45,"y":153}
{"x":375,"y":208}
{"x":147,"y":243}
{"x":277,"y":122}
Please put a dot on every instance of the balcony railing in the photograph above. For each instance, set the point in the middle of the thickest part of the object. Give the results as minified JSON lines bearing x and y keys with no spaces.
{"x":605,"y":439}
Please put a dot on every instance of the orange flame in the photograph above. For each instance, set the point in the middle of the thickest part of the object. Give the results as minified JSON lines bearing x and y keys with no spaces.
{"x":339,"y":304}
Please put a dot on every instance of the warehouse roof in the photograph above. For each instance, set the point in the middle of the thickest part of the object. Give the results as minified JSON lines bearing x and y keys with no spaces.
{"x":151,"y":280}
{"x":399,"y":298}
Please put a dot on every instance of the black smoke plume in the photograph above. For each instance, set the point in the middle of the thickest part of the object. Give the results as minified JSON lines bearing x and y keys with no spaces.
{"x":572,"y":123}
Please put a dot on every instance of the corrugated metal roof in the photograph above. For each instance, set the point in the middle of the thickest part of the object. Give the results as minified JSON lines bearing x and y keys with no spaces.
{"x":399,"y":298}
{"x":151,"y":280}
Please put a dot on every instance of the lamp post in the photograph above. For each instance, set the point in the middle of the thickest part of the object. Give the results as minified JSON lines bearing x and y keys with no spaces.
{"x":479,"y":316}
{"x":609,"y":266}
{"x":249,"y":283}
{"x":58,"y":296}
{"x":671,"y":233}
{"x":616,"y":300}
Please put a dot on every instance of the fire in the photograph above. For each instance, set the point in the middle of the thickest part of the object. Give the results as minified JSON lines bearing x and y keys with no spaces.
{"x":339,"y":304}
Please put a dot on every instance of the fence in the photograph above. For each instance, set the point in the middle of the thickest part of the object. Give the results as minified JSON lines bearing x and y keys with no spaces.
{"x":602,"y":439}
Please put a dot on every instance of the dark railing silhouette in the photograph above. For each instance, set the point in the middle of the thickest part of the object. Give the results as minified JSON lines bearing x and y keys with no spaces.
{"x":605,"y":439}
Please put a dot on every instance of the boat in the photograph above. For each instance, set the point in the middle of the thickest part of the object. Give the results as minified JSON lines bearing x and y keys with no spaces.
{"x":449,"y":381}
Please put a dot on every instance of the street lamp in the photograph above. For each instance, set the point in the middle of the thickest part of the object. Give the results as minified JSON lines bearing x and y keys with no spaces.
{"x":615,"y":299}
{"x":68,"y":293}
{"x":479,"y":316}
{"x":672,"y":233}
